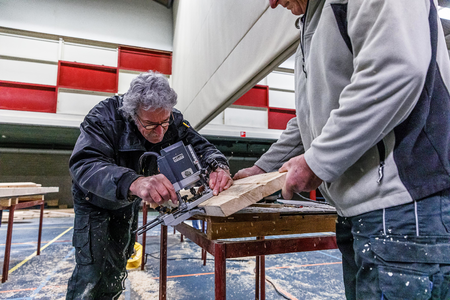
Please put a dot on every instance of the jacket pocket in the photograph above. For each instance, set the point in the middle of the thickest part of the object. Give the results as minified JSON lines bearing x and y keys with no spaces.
{"x":81,"y":240}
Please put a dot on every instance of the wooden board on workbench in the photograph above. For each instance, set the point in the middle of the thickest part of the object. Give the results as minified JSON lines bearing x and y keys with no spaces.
{"x":18,"y":184}
{"x":270,"y":224}
{"x":8,"y":192}
{"x":244,"y":192}
{"x":273,"y":219}
{"x":7,"y":202}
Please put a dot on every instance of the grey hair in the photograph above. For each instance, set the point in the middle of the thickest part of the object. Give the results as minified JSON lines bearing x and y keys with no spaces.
{"x":147,"y":91}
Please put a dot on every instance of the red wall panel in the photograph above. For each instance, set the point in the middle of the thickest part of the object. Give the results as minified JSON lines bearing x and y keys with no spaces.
{"x":27,"y":97}
{"x":87,"y":77}
{"x":279,"y":117}
{"x":144,"y":60}
{"x":258,"y":96}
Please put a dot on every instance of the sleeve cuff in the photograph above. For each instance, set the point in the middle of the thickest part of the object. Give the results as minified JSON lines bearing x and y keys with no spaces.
{"x":124,"y":184}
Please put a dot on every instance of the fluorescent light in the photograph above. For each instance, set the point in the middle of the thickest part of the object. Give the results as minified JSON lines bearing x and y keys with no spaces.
{"x":444,"y":12}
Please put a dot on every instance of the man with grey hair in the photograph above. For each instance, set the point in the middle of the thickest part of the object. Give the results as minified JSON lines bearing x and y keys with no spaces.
{"x":108,"y":185}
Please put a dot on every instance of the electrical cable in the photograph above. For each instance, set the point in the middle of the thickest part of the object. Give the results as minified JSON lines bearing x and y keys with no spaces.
{"x":194,"y":258}
{"x":276,"y":289}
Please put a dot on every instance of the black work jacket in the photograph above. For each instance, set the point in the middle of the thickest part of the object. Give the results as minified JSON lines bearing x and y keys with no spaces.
{"x":105,"y":160}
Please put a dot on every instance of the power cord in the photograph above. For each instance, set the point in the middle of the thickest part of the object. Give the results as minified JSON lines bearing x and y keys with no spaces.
{"x":278,"y":291}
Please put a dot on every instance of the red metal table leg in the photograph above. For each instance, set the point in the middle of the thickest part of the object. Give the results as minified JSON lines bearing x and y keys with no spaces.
{"x":262,"y":274}
{"x":257,"y":278}
{"x":163,"y":264}
{"x":41,"y":216}
{"x":144,"y":235}
{"x":220,"y":276}
{"x":8,"y":243}
{"x":204,"y":254}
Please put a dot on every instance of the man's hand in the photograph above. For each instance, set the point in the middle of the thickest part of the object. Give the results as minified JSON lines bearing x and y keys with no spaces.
{"x":255,"y":170}
{"x":154,"y":189}
{"x":299,"y":178}
{"x":219,"y":180}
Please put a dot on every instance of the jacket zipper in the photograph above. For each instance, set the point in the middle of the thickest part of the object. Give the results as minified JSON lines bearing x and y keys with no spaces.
{"x":302,"y":39}
{"x":382,"y":153}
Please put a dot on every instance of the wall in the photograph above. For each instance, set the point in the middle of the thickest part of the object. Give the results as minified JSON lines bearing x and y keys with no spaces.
{"x":47,"y":168}
{"x":142,"y":23}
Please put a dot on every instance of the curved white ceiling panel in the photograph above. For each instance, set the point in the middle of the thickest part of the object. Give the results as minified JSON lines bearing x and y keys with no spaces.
{"x":223,"y":48}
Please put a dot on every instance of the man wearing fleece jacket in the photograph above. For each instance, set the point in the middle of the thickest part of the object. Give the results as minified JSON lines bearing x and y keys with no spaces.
{"x":372,"y":132}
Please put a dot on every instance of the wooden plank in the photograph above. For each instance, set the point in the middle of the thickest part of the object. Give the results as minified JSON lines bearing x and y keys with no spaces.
{"x":243,"y":193}
{"x":239,"y":226}
{"x":26,"y":191}
{"x":52,"y":202}
{"x":18,"y":184}
{"x":31,"y":198}
{"x":8,"y":202}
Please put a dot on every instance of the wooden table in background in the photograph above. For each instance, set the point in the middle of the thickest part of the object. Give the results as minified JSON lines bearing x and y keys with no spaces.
{"x":21,"y":195}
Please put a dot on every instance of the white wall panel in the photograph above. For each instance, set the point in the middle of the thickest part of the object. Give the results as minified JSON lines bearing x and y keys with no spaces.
{"x":77,"y":103}
{"x":284,"y":81}
{"x":219,"y":119}
{"x":89,"y":54}
{"x":281,"y":99}
{"x":263,"y":81}
{"x":38,"y":118}
{"x":125,"y":78}
{"x":29,"y":47}
{"x":29,"y":72}
{"x":289,"y":63}
{"x":236,"y":131}
{"x":141,"y":23}
{"x":246,"y":117}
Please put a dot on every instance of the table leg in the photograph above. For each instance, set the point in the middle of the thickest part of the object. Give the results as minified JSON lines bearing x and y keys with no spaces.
{"x":204,"y":254}
{"x":163,"y":264}
{"x":220,"y":276}
{"x":8,"y":243}
{"x":144,"y":235}
{"x":41,"y":216}
{"x":262,"y":274}
{"x":257,"y":277}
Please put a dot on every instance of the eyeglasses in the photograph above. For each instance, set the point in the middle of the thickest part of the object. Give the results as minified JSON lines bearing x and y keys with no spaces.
{"x":153,"y":126}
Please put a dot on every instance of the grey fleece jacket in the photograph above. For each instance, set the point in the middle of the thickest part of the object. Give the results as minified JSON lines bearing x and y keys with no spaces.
{"x":372,"y":103}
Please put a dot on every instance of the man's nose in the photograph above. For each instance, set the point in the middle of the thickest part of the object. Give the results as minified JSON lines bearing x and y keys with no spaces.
{"x":159,"y":130}
{"x":273,"y":3}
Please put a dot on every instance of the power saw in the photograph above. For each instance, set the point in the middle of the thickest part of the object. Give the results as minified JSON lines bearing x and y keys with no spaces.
{"x":181,"y":166}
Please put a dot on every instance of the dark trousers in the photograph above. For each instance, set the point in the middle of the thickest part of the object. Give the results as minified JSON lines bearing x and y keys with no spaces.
{"x":401,"y":252}
{"x":103,"y":242}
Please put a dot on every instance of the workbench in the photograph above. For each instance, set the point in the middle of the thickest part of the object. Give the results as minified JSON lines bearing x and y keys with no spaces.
{"x":280,"y":221}
{"x":21,"y":195}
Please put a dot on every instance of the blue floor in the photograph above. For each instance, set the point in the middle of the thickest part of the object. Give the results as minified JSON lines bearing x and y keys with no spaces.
{"x":306,"y":275}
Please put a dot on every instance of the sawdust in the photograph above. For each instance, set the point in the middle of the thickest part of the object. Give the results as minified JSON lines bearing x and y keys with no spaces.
{"x":148,"y":288}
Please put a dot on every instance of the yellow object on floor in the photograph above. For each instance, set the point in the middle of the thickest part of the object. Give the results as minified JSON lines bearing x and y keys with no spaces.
{"x":135,"y":260}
